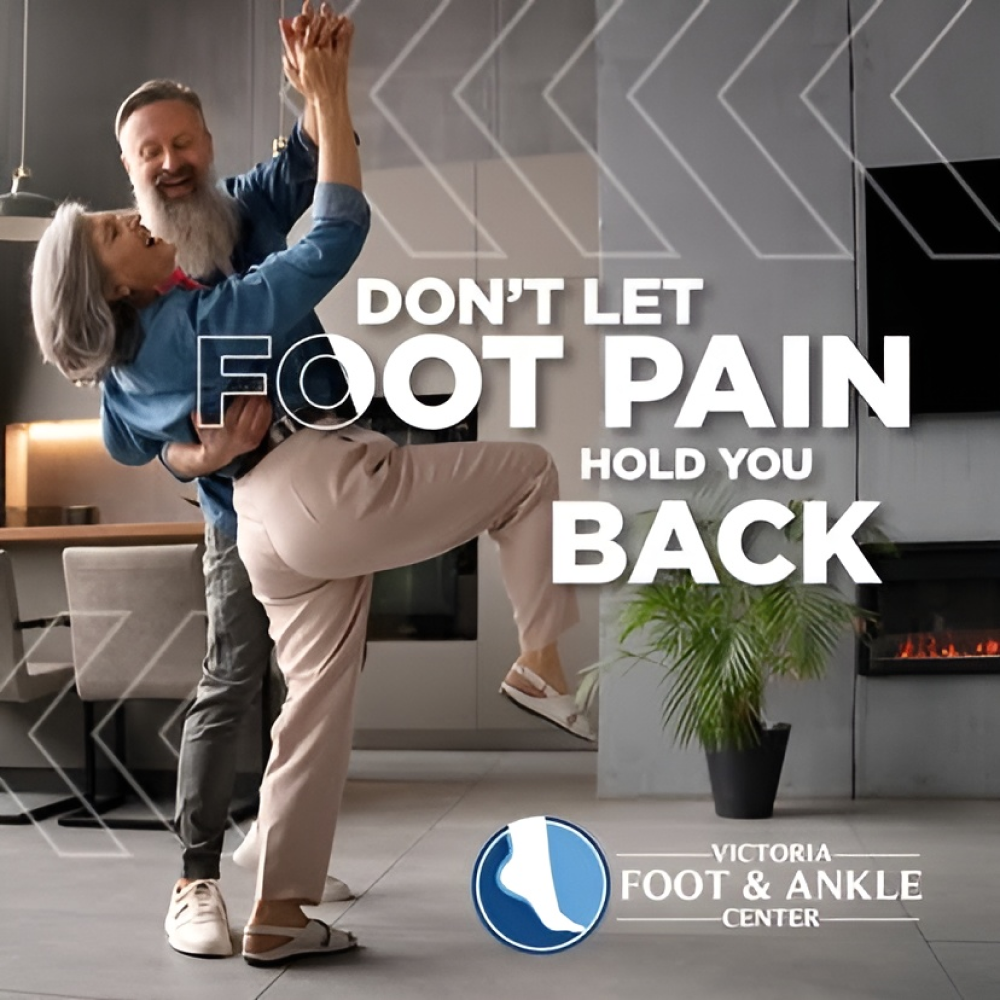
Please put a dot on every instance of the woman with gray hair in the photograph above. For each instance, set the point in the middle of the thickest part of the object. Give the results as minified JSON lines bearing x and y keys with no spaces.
{"x":79,"y":330}
{"x":319,"y":510}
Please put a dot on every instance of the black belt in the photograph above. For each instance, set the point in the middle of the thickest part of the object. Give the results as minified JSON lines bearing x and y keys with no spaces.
{"x":284,"y":427}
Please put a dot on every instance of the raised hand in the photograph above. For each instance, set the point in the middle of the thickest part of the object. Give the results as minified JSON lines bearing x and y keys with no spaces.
{"x":322,"y":56}
{"x":293,"y":30}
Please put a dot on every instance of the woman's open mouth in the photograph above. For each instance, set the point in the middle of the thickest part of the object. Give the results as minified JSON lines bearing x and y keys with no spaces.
{"x":149,"y":240}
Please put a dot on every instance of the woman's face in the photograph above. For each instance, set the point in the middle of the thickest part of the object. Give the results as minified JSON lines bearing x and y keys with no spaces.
{"x":132,"y":261}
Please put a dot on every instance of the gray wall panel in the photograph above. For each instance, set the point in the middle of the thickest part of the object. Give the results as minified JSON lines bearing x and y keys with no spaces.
{"x":735,"y":220}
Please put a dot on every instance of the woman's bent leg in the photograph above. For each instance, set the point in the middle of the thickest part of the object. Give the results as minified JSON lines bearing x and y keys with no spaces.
{"x":349,"y":503}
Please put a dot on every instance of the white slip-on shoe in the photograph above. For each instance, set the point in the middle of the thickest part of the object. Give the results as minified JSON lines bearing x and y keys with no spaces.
{"x":247,"y":855}
{"x":559,"y":709}
{"x":336,"y":891}
{"x":197,"y":923}
{"x":316,"y":938}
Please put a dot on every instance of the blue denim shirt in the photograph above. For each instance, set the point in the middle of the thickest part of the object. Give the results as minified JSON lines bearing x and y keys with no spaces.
{"x":148,"y":402}
{"x":271,"y":197}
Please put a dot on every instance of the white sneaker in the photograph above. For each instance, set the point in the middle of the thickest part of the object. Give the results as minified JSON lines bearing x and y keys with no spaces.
{"x":247,"y":855}
{"x":197,"y":922}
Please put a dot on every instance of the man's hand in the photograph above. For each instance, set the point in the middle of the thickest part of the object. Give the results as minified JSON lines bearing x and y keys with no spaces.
{"x":322,"y":25}
{"x":243,"y":428}
{"x":293,"y":32}
{"x":322,"y":56}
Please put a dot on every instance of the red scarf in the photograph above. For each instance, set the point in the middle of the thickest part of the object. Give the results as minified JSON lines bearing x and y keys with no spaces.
{"x":178,"y":280}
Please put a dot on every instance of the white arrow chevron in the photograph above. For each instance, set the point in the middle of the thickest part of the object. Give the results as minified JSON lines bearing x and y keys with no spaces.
{"x":547,"y":93}
{"x":894,"y":95}
{"x":839,"y":250}
{"x":116,"y":622}
{"x":494,"y":251}
{"x":120,"y":850}
{"x":842,"y":251}
{"x":116,"y":762}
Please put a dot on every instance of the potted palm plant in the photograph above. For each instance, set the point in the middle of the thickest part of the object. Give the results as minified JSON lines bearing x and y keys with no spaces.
{"x":718,"y":646}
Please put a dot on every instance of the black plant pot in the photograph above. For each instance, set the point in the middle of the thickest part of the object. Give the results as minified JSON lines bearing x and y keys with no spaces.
{"x":745,"y":782}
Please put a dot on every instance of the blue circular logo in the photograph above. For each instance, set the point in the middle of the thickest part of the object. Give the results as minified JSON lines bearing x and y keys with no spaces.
{"x":541,"y":884}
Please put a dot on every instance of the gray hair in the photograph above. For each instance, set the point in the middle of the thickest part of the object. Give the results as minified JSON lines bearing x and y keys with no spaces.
{"x":78,"y":330}
{"x":152,"y":92}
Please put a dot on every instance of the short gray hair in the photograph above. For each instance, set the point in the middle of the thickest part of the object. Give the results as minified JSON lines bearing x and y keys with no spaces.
{"x":78,"y":330}
{"x":152,"y":92}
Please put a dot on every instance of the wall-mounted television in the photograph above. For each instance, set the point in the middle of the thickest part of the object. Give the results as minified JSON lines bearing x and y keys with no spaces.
{"x":932,"y":272}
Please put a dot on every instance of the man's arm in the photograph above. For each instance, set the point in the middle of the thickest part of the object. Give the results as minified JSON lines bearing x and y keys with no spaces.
{"x":244,"y":426}
{"x":280,"y":189}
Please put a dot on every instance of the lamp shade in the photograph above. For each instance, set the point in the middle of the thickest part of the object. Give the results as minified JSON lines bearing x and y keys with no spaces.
{"x":24,"y":204}
{"x":23,"y":214}
{"x":22,"y":229}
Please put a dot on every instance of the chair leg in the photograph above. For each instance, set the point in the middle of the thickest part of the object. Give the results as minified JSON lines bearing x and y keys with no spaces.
{"x":37,"y":813}
{"x":44,"y":811}
{"x":96,"y":812}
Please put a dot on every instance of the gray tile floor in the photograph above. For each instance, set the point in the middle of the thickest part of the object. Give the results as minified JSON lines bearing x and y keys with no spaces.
{"x":81,"y":912}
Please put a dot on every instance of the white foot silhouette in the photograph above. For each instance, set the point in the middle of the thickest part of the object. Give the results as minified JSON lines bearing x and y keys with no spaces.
{"x":527,"y":874}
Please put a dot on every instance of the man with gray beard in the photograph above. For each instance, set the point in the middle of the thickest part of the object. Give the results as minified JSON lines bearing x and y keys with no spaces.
{"x":218,"y":229}
{"x":204,"y":225}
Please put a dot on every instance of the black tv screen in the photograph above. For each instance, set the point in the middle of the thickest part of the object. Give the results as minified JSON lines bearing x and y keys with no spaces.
{"x":932,"y":271}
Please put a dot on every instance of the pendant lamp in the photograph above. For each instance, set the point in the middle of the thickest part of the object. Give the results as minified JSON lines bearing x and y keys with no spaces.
{"x":23,"y":214}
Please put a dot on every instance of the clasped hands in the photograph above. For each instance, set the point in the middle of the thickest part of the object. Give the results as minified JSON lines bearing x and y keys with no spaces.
{"x":312,"y":31}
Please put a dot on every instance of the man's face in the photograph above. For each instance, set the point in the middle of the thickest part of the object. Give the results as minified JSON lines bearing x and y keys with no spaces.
{"x":167,"y":149}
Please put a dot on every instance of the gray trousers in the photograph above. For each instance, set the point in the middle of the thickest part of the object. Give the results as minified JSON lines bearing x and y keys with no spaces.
{"x":239,"y":655}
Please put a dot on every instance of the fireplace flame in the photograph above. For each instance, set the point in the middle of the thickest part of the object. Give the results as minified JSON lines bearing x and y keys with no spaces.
{"x":928,"y":646}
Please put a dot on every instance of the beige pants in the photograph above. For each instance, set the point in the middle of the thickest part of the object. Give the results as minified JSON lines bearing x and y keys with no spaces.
{"x":317,"y":517}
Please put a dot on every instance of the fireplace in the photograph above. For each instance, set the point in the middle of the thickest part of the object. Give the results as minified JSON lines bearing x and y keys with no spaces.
{"x":938,"y":609}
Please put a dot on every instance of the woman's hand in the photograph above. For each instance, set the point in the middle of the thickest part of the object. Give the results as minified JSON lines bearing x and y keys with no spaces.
{"x":322,"y":56}
{"x":293,"y":32}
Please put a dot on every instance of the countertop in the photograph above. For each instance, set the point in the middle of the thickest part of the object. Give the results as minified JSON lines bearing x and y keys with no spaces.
{"x":106,"y":534}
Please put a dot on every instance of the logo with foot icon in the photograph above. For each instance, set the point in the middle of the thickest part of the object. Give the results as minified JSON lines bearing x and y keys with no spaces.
{"x":541,"y":884}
